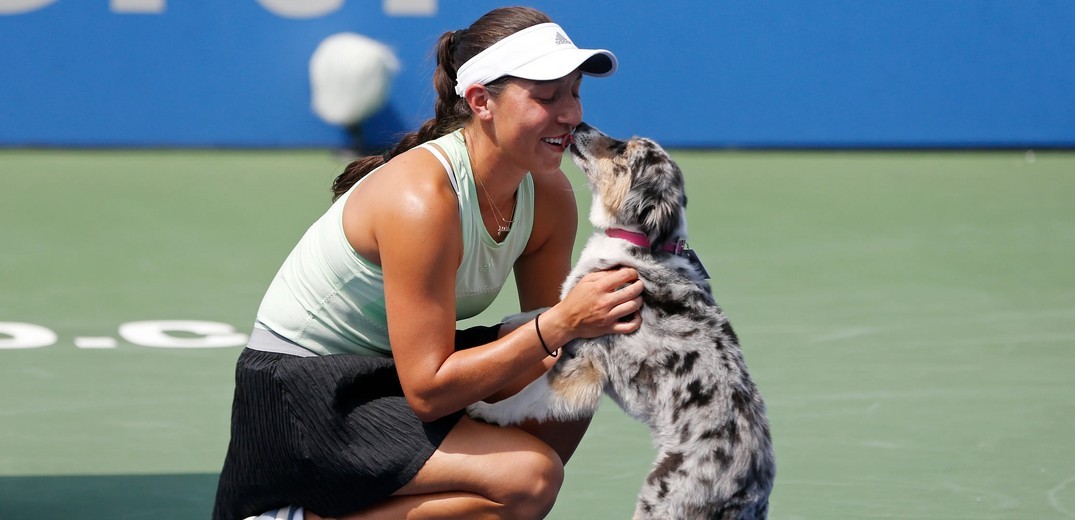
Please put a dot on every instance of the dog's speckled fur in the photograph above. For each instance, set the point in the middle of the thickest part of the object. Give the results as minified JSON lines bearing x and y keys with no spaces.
{"x":682,"y":373}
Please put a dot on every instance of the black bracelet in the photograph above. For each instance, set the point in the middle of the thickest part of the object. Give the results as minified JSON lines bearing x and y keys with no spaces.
{"x":543,"y":345}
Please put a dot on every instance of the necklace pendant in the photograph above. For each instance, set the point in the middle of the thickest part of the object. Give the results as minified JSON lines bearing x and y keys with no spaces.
{"x":501,"y":229}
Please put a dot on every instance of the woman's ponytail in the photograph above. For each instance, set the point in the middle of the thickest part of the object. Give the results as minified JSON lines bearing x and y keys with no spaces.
{"x":450,"y":112}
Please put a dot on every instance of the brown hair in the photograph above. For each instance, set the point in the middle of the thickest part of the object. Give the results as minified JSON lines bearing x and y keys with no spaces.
{"x":451,"y":111}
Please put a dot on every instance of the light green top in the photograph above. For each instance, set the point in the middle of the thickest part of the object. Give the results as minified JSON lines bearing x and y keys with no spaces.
{"x":329,"y":299}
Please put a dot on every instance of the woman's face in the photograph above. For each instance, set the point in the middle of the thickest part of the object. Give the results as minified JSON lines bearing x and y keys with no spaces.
{"x":534,"y":120}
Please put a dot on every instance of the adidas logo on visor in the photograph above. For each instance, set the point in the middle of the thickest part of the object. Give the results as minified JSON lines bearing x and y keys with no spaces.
{"x":561,"y":39}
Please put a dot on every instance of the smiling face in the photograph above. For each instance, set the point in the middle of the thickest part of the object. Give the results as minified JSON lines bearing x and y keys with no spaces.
{"x":635,"y":184}
{"x":534,"y":120}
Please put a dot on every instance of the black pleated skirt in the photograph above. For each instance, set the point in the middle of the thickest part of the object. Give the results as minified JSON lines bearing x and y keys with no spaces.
{"x":332,"y":434}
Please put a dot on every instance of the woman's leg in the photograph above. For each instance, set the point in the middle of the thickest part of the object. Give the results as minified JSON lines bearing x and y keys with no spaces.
{"x":563,"y":437}
{"x":479,"y":471}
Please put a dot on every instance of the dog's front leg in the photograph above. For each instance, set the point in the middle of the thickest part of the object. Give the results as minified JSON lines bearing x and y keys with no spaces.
{"x":570,"y":390}
{"x":536,"y":401}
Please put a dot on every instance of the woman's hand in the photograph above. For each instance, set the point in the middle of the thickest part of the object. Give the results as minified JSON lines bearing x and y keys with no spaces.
{"x":602,"y":302}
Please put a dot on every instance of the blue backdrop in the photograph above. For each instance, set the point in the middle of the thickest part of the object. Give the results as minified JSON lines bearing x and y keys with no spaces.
{"x":715,"y":73}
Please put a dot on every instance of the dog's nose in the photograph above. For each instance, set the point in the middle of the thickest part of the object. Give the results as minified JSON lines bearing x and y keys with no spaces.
{"x":580,"y":137}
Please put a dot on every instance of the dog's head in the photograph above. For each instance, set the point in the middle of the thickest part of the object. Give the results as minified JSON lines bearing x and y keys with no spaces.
{"x":635,"y":184}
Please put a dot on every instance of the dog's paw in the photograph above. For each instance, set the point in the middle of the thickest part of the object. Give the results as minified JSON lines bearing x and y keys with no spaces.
{"x":492,"y":413}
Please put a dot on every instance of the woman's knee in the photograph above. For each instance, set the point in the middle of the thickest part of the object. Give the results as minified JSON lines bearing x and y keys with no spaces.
{"x":536,"y":478}
{"x":518,"y":474}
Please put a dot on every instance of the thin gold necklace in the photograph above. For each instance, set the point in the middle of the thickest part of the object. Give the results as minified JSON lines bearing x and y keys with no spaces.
{"x":503,"y":225}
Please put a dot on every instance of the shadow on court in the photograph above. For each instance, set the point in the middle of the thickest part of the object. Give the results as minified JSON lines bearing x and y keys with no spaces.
{"x":160,"y":497}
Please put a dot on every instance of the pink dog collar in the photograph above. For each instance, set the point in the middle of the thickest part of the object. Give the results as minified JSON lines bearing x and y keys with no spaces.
{"x":677,"y":247}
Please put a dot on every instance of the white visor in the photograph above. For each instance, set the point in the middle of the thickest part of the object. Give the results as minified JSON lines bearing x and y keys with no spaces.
{"x":541,"y":52}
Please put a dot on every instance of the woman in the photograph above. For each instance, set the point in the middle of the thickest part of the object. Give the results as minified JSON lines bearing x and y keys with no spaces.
{"x":349,"y":397}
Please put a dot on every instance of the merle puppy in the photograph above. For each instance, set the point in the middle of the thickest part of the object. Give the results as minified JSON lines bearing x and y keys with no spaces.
{"x":682,"y":373}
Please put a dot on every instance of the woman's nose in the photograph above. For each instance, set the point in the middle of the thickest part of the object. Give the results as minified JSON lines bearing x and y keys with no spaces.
{"x":571,"y":114}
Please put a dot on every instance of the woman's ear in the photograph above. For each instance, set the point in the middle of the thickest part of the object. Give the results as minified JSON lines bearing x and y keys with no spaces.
{"x":479,"y":99}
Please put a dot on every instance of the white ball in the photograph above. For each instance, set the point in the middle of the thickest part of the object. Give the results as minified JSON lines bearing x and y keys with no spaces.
{"x":350,"y":78}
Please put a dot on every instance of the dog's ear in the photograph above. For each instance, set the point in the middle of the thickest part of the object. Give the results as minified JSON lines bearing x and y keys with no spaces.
{"x":657,"y":193}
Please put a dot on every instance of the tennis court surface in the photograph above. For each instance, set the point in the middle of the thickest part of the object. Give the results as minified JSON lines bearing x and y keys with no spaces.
{"x":908,"y":316}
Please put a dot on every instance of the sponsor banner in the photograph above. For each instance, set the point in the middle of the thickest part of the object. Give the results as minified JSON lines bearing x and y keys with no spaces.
{"x":824,"y":73}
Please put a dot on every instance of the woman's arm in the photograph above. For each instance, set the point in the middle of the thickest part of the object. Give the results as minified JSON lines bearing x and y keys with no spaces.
{"x":412,"y":216}
{"x":406,"y":219}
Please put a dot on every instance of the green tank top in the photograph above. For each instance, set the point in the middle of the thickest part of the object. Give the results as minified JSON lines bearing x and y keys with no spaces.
{"x":330,"y":300}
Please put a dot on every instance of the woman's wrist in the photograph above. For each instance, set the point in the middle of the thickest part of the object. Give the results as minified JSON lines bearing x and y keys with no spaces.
{"x":551,"y":330}
{"x":544,"y":345}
